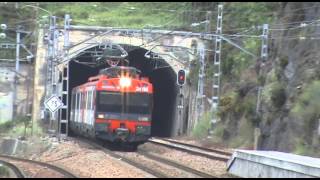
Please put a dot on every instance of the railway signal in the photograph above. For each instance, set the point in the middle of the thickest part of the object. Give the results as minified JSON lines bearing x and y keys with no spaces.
{"x":181,"y":78}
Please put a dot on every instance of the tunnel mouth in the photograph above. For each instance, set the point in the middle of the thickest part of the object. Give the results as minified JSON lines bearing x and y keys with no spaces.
{"x":161,"y":75}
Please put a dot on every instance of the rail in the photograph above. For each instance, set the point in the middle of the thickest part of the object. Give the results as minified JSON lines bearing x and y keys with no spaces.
{"x":50,"y":166}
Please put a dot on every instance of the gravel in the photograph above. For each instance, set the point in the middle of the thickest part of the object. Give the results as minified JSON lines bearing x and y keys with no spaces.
{"x":162,"y":168}
{"x":36,"y":171}
{"x":212,"y":167}
{"x":86,"y":161}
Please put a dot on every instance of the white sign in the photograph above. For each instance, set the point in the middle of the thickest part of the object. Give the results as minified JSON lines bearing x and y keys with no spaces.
{"x":53,"y":103}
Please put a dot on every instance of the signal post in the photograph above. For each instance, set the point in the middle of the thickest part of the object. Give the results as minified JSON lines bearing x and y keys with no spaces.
{"x":181,"y":80}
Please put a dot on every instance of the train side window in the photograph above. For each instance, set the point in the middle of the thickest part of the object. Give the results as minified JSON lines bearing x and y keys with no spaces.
{"x":88,"y":100}
{"x":90,"y":107}
{"x":79,"y":106}
{"x":82,"y":106}
{"x":86,"y":107}
{"x":76,"y":107}
{"x":72,"y":105}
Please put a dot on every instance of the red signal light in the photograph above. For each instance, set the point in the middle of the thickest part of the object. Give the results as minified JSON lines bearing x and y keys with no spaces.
{"x":181,"y":77}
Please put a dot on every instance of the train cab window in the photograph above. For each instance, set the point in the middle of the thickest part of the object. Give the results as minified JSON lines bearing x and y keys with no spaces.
{"x":139,"y":103}
{"x":131,"y":103}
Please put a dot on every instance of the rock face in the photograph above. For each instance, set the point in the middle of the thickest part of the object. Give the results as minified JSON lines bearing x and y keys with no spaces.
{"x":295,"y":65}
{"x":290,"y":100}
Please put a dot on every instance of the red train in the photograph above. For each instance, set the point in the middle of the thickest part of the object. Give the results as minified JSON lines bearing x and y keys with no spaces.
{"x":115,"y":106}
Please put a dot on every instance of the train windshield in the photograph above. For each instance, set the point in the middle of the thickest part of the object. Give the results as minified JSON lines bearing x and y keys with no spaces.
{"x":130,"y":103}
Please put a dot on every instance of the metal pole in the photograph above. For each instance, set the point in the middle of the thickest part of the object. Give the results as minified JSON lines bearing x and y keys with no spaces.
{"x":208,"y":20}
{"x":200,"y":92}
{"x":180,"y":109}
{"x":64,"y":111}
{"x":217,"y":74}
{"x":66,"y":31}
{"x":264,"y":57}
{"x":15,"y":95}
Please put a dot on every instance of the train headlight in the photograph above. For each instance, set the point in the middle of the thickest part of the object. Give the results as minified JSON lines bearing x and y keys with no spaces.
{"x":101,"y":116}
{"x":143,"y":130}
{"x":143,"y":118}
{"x":101,"y":127}
{"x":125,"y":82}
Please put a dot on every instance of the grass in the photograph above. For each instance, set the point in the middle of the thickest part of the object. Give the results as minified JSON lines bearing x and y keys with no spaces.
{"x":119,"y":14}
{"x":201,"y":128}
{"x":4,"y":172}
{"x":21,"y":126}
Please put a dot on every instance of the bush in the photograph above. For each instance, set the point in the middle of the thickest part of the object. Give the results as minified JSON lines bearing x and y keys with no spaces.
{"x":307,"y":108}
{"x":9,"y":125}
{"x":4,"y":172}
{"x":201,"y":129}
{"x":278,"y":95}
{"x":261,"y":80}
{"x":244,"y":138}
{"x":284,"y":62}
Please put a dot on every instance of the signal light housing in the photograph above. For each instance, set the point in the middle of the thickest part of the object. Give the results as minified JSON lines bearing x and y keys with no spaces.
{"x":181,"y":78}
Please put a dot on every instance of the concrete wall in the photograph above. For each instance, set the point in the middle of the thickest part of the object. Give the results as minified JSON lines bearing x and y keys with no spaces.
{"x":7,"y":91}
{"x":272,"y":164}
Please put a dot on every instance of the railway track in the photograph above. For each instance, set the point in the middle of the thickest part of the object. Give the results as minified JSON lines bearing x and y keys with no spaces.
{"x":176,"y":165}
{"x":17,"y":171}
{"x":192,"y":149}
{"x":155,"y":172}
{"x":123,"y":158}
{"x":55,"y":168}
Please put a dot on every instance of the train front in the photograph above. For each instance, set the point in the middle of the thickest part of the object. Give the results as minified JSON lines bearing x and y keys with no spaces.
{"x":124,"y":107}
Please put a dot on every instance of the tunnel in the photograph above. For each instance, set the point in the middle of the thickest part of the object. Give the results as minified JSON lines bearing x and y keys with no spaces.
{"x":161,"y":75}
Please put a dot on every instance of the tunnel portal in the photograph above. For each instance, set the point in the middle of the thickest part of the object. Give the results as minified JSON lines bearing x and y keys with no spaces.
{"x":161,"y":75}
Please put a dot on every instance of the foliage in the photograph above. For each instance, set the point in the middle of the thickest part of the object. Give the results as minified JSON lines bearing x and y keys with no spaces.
{"x":261,"y":80}
{"x":303,"y":148}
{"x":227,"y":103}
{"x":193,"y":74}
{"x":17,"y":126}
{"x":202,"y":127}
{"x":121,"y":14}
{"x":284,"y":62}
{"x":244,"y":138}
{"x":4,"y":172}
{"x":308,"y":105}
{"x":278,"y":95}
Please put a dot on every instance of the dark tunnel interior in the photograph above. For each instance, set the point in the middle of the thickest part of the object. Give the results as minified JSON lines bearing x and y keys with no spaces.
{"x":163,"y":79}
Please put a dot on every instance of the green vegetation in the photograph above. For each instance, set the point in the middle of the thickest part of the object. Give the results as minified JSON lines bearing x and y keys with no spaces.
{"x":308,"y":104}
{"x":244,"y":138}
{"x":4,"y":171}
{"x":284,"y":62}
{"x":278,"y":95}
{"x":16,"y":127}
{"x":304,"y":148}
{"x":202,"y":127}
{"x":122,"y":14}
{"x":306,"y":109}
